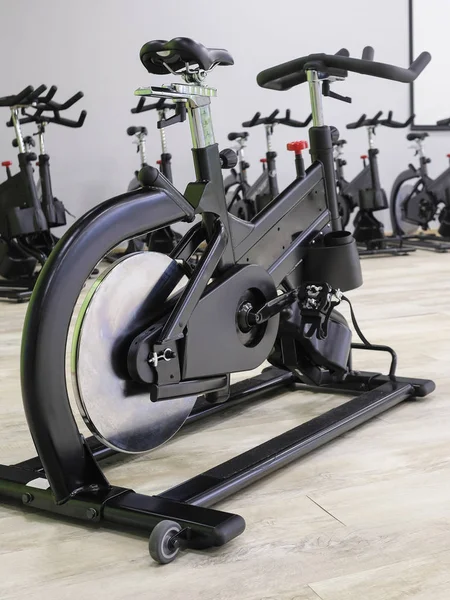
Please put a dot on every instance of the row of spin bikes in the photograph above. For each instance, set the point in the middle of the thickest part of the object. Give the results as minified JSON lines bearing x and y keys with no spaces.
{"x":29,"y":212}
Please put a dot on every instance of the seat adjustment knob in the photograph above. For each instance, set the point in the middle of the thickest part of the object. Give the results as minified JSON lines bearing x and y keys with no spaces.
{"x":228,"y":158}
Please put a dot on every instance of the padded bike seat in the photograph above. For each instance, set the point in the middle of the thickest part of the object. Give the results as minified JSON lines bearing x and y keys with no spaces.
{"x":416,"y":136}
{"x":234,"y":135}
{"x":133,"y":130}
{"x":161,"y":56}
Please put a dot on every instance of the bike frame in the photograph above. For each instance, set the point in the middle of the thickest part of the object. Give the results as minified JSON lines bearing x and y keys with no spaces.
{"x":272,"y":240}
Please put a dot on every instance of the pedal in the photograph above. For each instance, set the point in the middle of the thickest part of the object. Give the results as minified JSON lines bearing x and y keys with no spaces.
{"x":317,"y":301}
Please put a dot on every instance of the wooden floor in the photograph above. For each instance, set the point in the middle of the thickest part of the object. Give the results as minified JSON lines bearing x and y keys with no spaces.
{"x":365,"y":518}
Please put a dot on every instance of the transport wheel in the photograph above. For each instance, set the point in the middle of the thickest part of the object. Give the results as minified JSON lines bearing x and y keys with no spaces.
{"x":160,"y":544}
{"x":400,"y":224}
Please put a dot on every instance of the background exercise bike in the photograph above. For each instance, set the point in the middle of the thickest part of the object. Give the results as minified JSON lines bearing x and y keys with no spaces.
{"x":164,"y":240}
{"x":27,"y":212}
{"x":245,"y":200}
{"x":364,"y":191}
{"x":417,"y":200}
{"x":154,"y":337}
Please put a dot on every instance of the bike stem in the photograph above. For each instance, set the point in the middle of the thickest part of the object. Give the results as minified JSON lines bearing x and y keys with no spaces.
{"x":321,"y":147}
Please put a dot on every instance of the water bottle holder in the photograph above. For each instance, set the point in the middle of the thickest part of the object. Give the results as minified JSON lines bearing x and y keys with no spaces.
{"x":335,"y":260}
{"x":372,"y":200}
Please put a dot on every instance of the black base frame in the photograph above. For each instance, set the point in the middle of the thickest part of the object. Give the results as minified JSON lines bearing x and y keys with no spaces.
{"x":428,"y":241}
{"x":187,"y":503}
{"x":19,"y":290}
{"x":387,"y":246}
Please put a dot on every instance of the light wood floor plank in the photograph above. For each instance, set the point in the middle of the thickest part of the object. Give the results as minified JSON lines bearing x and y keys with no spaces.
{"x":366,"y":517}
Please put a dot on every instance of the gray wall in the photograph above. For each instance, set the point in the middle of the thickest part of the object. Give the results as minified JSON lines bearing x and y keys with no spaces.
{"x":94,"y":46}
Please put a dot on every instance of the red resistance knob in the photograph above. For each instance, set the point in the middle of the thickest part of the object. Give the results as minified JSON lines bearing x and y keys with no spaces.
{"x":297,"y":147}
{"x":364,"y":156}
{"x":158,"y":162}
{"x":6,"y":163}
{"x":37,"y":164}
{"x":263,"y":160}
{"x":448,"y":155}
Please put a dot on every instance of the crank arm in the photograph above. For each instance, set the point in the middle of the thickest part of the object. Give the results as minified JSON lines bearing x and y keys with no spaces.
{"x":272,"y":308}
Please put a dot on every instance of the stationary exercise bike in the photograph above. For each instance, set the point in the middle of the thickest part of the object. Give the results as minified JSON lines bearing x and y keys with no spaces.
{"x":365,"y":192}
{"x":417,"y":200}
{"x":27,"y":214}
{"x":155,"y":341}
{"x":245,"y":200}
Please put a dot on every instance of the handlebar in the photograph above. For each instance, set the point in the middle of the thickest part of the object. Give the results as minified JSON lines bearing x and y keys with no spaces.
{"x":292,"y":73}
{"x":27,"y":96}
{"x":272,"y":120}
{"x":443,"y":122}
{"x":292,"y":122}
{"x":258,"y":120}
{"x":55,"y":106}
{"x":363,"y":121}
{"x":45,"y":104}
{"x":389,"y":122}
{"x":160,"y":105}
{"x":57,"y":119}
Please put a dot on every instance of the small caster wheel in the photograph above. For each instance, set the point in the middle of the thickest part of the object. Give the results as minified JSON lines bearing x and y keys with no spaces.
{"x":161,"y":549}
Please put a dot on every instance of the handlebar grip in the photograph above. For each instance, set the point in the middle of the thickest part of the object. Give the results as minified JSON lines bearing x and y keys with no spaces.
{"x":22,"y":95}
{"x":252,"y":121}
{"x":68,"y":122}
{"x":375,"y":119}
{"x":140,"y":105}
{"x":51,"y":92}
{"x":420,"y":63}
{"x":34,"y":96}
{"x":368,"y":53}
{"x":160,"y":105}
{"x":71,"y":101}
{"x":357,"y":123}
{"x":16,"y":99}
{"x":271,"y":118}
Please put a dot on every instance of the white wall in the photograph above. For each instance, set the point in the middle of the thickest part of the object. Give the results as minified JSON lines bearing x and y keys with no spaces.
{"x":94,"y":46}
{"x":430,"y":30}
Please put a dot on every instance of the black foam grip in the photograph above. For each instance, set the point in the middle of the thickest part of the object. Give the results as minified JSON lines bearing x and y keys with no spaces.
{"x":288,"y":74}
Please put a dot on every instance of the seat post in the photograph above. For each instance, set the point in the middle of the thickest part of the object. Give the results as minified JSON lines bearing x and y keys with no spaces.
{"x":371,"y":136}
{"x":316,"y":97}
{"x":200,"y":121}
{"x":16,"y":123}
